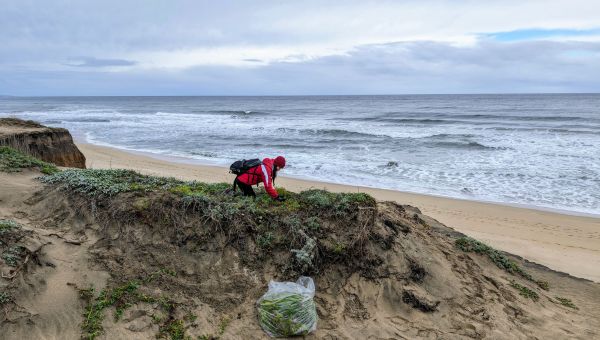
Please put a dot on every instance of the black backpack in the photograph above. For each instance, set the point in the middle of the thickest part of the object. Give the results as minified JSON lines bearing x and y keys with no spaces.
{"x":242,"y":166}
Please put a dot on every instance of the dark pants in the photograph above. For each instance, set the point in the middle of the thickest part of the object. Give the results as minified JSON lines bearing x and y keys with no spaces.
{"x":246,"y":189}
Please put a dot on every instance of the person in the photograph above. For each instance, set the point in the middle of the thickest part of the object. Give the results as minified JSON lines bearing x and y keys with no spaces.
{"x":265,"y":173}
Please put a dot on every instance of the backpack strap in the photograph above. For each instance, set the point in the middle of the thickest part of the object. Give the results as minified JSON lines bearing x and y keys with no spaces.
{"x":235,"y":184}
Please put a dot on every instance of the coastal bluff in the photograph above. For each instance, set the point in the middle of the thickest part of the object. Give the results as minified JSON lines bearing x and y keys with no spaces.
{"x":54,"y":145}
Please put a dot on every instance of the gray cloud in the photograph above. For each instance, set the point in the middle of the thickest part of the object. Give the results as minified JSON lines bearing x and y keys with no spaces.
{"x":386,"y":47}
{"x":393,"y":68}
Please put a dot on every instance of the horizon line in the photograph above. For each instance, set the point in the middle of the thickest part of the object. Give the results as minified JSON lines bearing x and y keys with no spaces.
{"x":308,"y":95}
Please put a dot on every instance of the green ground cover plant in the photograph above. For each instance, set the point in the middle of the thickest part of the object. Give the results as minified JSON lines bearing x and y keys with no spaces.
{"x":12,"y":160}
{"x":524,"y":291}
{"x":174,"y":330}
{"x":107,"y":183}
{"x":212,"y":199}
{"x":94,"y":312}
{"x":12,"y":256}
{"x":566,"y":302}
{"x":468,"y":244}
{"x":8,"y":225}
{"x":5,"y":298}
{"x":338,"y":203}
{"x":121,"y":298}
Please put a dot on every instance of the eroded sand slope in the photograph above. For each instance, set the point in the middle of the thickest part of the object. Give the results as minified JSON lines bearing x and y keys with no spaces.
{"x":406,"y":279}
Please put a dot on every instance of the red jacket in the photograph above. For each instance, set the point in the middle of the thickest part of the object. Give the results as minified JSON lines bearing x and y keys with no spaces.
{"x":262,"y":173}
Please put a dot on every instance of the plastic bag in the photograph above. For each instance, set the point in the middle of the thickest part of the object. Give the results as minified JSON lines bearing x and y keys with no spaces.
{"x":288,"y":308}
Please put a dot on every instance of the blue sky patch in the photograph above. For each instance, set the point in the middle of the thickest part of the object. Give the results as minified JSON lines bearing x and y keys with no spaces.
{"x":536,"y":34}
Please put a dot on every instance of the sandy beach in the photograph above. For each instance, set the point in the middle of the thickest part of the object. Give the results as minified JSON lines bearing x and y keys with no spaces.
{"x":562,"y":242}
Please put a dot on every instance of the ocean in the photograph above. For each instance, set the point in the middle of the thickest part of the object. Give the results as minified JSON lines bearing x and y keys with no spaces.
{"x":538,"y":150}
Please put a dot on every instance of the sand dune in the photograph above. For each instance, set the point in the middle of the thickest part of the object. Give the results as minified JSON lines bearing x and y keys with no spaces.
{"x":565,"y":243}
{"x":406,"y":280}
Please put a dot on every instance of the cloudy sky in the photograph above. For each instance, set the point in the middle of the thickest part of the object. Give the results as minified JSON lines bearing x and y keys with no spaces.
{"x":281,"y":47}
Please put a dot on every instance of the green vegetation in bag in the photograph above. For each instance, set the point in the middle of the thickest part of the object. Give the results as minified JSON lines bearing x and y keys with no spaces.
{"x":287,"y":314}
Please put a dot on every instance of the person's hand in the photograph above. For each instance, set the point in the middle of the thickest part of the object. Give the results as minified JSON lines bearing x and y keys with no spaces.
{"x":280,"y":199}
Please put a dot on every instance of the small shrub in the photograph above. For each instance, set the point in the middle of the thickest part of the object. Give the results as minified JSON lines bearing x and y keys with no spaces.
{"x":8,"y":225}
{"x":524,"y":291}
{"x":165,"y":303}
{"x":468,"y":244}
{"x":318,"y":198}
{"x":94,"y":312}
{"x":174,"y":330}
{"x":543,"y":284}
{"x":223,"y":325}
{"x":156,"y":318}
{"x":13,"y":255}
{"x":566,"y":302}
{"x":358,"y":198}
{"x":5,"y":298}
{"x":293,"y":222}
{"x":190,"y":317}
{"x":352,"y":200}
{"x":265,"y":240}
{"x":339,"y":248}
{"x":336,"y":204}
{"x":312,"y":223}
